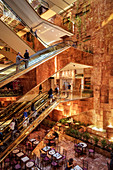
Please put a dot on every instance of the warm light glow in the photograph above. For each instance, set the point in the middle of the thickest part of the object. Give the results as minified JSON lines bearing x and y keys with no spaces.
{"x":55,"y":64}
{"x":111,"y":139}
{"x":68,"y":104}
{"x":108,"y":20}
{"x":110,"y":125}
{"x":48,"y":14}
{"x":97,"y":129}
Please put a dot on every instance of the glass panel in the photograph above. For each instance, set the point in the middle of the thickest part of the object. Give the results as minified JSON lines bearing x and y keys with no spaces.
{"x":36,"y":58}
{"x":16,"y":25}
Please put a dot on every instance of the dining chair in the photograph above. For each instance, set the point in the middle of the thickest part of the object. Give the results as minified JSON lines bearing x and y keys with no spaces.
{"x":91,"y":150}
{"x":75,"y":143}
{"x":78,"y":151}
{"x":17,"y":167}
{"x":85,"y":165}
{"x":54,"y":165}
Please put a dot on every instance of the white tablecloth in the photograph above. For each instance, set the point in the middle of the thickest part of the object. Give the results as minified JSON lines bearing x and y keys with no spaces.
{"x":57,"y":155}
{"x":32,"y":140}
{"x":77,"y":167}
{"x":83,"y":145}
{"x":15,"y":151}
{"x":36,"y":142}
{"x":29,"y":164}
{"x":20,"y":154}
{"x":25,"y":159}
{"x":46,"y":148}
{"x":52,"y":152}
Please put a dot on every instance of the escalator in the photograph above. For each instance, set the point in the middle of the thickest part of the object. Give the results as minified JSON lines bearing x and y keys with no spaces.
{"x":46,"y":31}
{"x":13,"y":40}
{"x":9,"y":73}
{"x":43,"y":109}
{"x":16,"y":110}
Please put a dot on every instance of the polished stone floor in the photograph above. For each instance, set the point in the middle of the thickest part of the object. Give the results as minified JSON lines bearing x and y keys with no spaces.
{"x":98,"y":162}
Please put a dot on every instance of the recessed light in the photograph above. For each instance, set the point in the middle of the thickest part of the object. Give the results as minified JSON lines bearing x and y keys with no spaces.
{"x":52,"y":30}
{"x":38,"y":30}
{"x":45,"y":27}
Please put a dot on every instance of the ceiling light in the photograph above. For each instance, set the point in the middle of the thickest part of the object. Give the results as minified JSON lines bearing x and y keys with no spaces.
{"x":38,"y":30}
{"x":45,"y":27}
{"x":52,"y":30}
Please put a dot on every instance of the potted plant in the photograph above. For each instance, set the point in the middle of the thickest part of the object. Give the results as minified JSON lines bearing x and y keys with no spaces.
{"x":96,"y":140}
{"x":103,"y":143}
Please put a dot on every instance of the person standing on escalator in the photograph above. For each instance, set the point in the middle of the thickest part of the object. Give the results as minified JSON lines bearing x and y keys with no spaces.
{"x":12,"y":128}
{"x":19,"y":58}
{"x":26,"y":56}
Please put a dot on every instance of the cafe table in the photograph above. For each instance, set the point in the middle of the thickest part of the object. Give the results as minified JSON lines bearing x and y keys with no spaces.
{"x":46,"y":148}
{"x":25,"y":159}
{"x":15,"y":151}
{"x":32,"y":140}
{"x":36,"y":142}
{"x":77,"y":167}
{"x":57,"y":156}
{"x":29,"y":164}
{"x":51,"y":152}
{"x":20,"y":154}
{"x":82,"y":145}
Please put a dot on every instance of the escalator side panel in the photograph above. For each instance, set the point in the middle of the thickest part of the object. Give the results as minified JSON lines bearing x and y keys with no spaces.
{"x":14,"y":41}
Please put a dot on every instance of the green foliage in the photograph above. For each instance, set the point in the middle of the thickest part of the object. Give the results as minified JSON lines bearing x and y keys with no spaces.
{"x":96,"y":140}
{"x":103,"y":143}
{"x":86,"y":136}
{"x":63,"y":121}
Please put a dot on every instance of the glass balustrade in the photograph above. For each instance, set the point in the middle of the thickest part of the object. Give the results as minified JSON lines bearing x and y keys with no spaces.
{"x":34,"y":59}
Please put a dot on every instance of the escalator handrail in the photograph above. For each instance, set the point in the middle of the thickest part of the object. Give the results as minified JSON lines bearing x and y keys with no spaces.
{"x":39,"y":52}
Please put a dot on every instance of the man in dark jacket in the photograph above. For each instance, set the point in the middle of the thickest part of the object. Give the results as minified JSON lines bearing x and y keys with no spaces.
{"x":26,"y":56}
